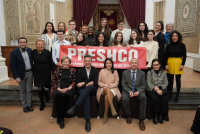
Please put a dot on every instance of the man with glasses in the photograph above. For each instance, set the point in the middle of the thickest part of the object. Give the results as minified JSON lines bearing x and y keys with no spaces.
{"x":56,"y":46}
{"x":71,"y":35}
{"x":21,"y":68}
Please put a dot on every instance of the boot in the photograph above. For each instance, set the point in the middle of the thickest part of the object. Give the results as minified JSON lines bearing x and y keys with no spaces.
{"x":155,"y":120}
{"x":105,"y":117}
{"x":160,"y":119}
{"x":113,"y":111}
{"x":41,"y":96}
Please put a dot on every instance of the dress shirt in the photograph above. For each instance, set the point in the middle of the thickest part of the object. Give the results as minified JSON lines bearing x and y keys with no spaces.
{"x":88,"y":72}
{"x":56,"y":49}
{"x":132,"y":76}
{"x":26,"y":59}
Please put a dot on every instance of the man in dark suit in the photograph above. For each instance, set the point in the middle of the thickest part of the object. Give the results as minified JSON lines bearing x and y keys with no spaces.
{"x":87,"y":78}
{"x":21,"y":68}
{"x":134,"y":85}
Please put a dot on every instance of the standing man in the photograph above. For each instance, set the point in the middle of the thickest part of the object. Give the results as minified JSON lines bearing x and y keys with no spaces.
{"x":56,"y":46}
{"x":134,"y":85}
{"x":87,"y":86}
{"x":21,"y":68}
{"x":71,"y":35}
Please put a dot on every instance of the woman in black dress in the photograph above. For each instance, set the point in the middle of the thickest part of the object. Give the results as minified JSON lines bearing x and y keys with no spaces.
{"x":43,"y":64}
{"x":161,"y":41}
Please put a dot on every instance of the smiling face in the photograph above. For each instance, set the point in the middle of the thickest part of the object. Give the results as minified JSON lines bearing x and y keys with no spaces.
{"x":65,"y":63}
{"x":150,"y":36}
{"x":61,"y":26}
{"x":88,"y":62}
{"x":80,"y":37}
{"x":49,"y":28}
{"x":156,"y":65}
{"x":121,"y":26}
{"x":119,"y":37}
{"x":103,"y":23}
{"x":157,"y":27}
{"x":175,"y":37}
{"x":101,"y":38}
{"x":169,"y":28}
{"x":90,"y":31}
{"x":84,"y":29}
{"x":134,"y":64}
{"x":142,"y":27}
{"x":108,"y":64}
{"x":133,"y":35}
{"x":22,"y":44}
{"x":40,"y":45}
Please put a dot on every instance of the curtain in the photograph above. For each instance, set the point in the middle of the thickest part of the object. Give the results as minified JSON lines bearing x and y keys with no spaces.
{"x":83,"y":11}
{"x":159,"y":11}
{"x":133,"y":10}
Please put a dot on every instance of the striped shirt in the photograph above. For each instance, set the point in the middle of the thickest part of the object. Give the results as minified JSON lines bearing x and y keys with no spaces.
{"x":49,"y":42}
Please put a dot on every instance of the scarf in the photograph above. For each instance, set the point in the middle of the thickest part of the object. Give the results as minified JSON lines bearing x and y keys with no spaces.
{"x":39,"y":52}
{"x":167,"y":37}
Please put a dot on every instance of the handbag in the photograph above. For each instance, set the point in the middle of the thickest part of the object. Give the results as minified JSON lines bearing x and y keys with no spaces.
{"x":164,"y":91}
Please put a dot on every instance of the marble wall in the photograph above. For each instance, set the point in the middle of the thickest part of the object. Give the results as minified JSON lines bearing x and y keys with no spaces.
{"x":187,"y":21}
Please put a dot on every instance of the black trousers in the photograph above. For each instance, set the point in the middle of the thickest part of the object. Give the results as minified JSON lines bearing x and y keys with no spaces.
{"x":62,"y":101}
{"x":159,"y":103}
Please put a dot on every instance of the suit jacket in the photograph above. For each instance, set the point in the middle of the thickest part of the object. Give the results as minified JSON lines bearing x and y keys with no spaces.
{"x":17,"y":64}
{"x":140,"y":84}
{"x":82,"y":76}
{"x":56,"y":79}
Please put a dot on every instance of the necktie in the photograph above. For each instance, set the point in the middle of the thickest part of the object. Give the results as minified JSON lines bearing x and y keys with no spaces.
{"x":133,"y":82}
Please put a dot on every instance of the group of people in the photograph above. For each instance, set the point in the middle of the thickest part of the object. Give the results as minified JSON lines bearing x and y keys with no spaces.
{"x":166,"y":56}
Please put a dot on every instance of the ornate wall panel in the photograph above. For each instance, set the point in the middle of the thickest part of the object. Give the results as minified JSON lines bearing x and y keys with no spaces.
{"x":187,"y":17}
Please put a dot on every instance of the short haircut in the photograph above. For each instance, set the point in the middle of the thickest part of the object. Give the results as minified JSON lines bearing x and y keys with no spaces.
{"x":66,"y":57}
{"x":136,"y":59}
{"x":172,"y":24}
{"x":87,"y":56}
{"x":22,"y":38}
{"x":63,"y":31}
{"x":119,"y":21}
{"x":72,"y":21}
{"x":91,"y":27}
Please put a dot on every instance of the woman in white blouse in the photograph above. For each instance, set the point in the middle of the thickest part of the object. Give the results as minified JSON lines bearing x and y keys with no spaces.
{"x":135,"y":39}
{"x":152,"y":48}
{"x":49,"y":36}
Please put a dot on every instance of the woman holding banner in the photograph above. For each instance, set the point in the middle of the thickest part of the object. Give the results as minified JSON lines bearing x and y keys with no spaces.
{"x":152,"y":48}
{"x":80,"y":41}
{"x":101,"y":40}
{"x":135,"y":40}
{"x":108,"y":86}
{"x":118,"y":40}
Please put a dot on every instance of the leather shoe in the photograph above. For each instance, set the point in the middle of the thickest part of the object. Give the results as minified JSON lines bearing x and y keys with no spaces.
{"x":42,"y":107}
{"x":30,"y":109}
{"x":129,"y":119}
{"x":71,"y":111}
{"x":62,"y":124}
{"x":58,"y":121}
{"x":87,"y":126}
{"x":25,"y":109}
{"x":142,"y":126}
{"x":160,"y":119}
{"x":155,"y":120}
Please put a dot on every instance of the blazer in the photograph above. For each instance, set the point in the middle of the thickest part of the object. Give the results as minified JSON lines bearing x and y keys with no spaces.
{"x":160,"y":80}
{"x":56,"y":79}
{"x":106,"y":77}
{"x":82,"y":76}
{"x":140,"y":84}
{"x":17,"y":64}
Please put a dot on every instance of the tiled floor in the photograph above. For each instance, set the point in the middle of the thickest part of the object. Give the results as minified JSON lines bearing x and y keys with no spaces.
{"x":190,"y":79}
{"x":38,"y":122}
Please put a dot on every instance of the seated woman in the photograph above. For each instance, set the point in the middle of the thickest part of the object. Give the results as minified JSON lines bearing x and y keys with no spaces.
{"x":63,"y":85}
{"x":101,"y":40}
{"x":108,"y":82}
{"x":157,"y":90}
{"x":80,"y":41}
{"x":135,"y":39}
{"x":118,"y":40}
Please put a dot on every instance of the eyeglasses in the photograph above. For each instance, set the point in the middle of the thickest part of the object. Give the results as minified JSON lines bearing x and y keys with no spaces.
{"x":40,"y":39}
{"x":156,"y":65}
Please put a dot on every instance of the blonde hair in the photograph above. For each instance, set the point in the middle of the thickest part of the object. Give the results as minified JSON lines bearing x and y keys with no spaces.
{"x":39,"y":39}
{"x":66,"y":57}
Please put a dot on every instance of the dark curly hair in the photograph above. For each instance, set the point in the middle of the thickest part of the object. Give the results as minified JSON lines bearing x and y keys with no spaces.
{"x":145,"y":30}
{"x":105,"y":42}
{"x":180,"y":38}
{"x":53,"y":29}
{"x":138,"y":38}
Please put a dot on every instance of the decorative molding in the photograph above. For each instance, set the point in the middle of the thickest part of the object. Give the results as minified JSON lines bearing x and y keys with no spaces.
{"x":186,"y":19}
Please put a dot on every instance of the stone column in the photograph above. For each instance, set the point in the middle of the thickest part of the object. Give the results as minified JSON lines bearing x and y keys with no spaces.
{"x":3,"y":70}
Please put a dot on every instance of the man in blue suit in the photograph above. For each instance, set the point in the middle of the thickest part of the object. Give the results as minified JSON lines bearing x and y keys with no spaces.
{"x":21,"y":68}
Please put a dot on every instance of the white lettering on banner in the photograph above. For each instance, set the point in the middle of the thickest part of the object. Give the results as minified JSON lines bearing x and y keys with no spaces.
{"x":101,"y":56}
{"x":135,"y":54}
{"x":120,"y":55}
{"x":109,"y":55}
{"x":90,"y":53}
{"x":71,"y":52}
{"x":81,"y":52}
